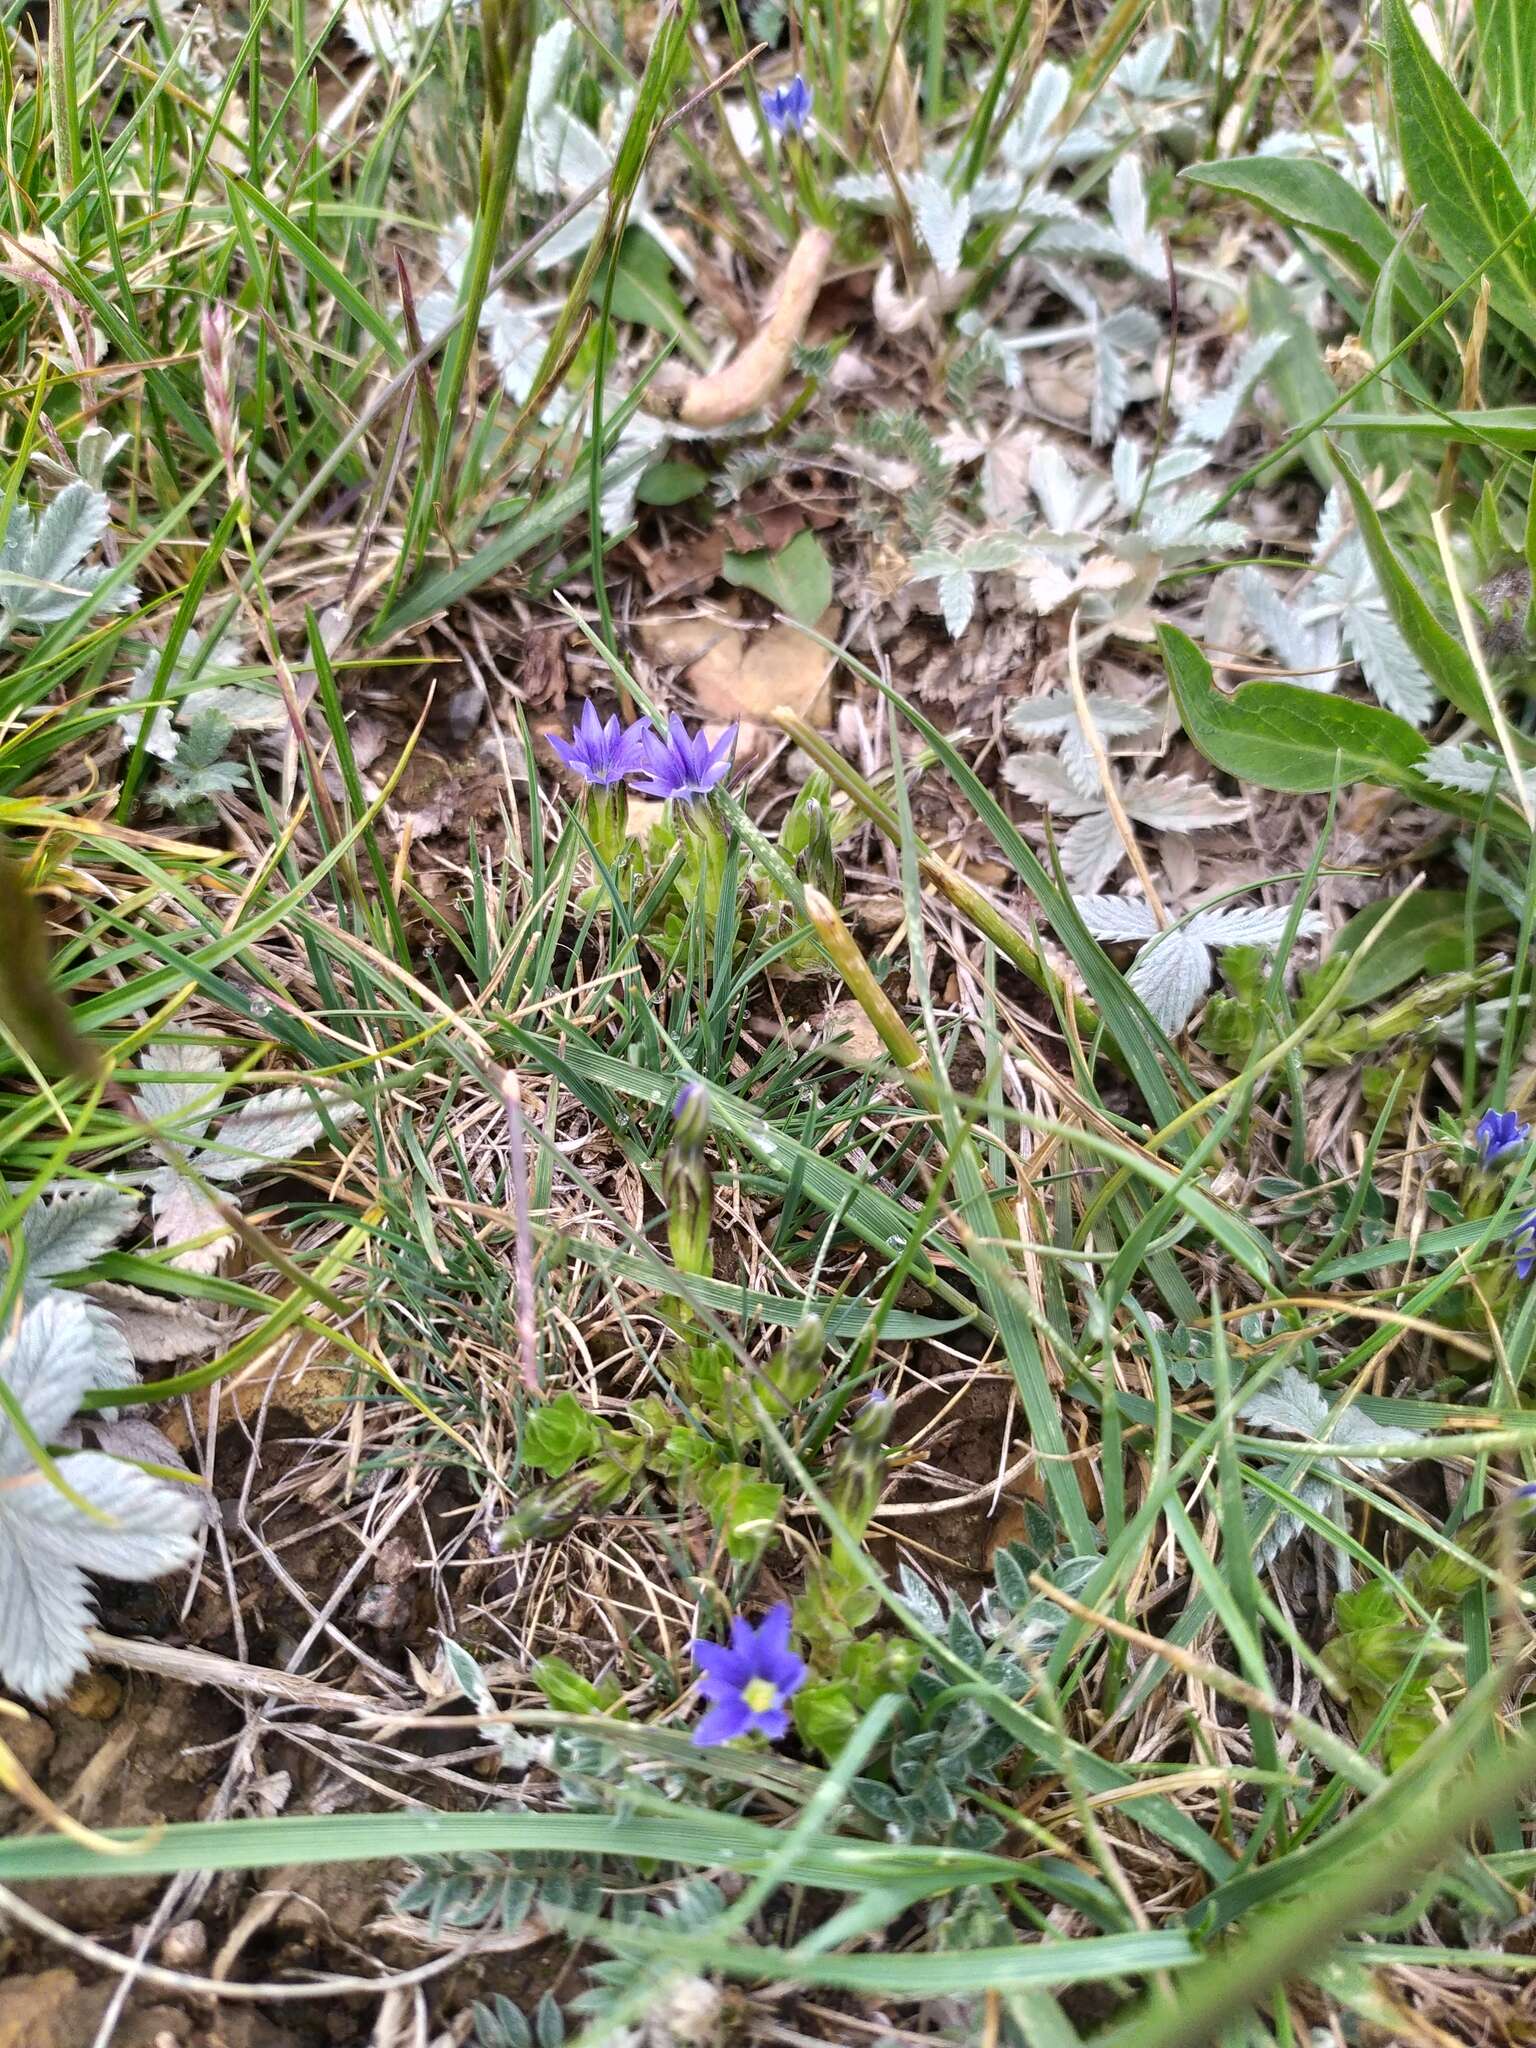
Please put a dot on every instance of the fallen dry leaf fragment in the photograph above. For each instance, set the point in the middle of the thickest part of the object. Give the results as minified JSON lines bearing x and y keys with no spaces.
{"x":785,"y":666}
{"x":751,"y":377}
{"x":708,"y":649}
{"x":736,"y":677}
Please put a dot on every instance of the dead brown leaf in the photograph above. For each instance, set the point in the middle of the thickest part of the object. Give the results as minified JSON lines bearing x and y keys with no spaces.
{"x":785,"y":666}
{"x":740,"y":677}
{"x":686,"y":568}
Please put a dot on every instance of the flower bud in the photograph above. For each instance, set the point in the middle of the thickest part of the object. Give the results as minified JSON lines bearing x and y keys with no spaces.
{"x":797,"y":830}
{"x":686,"y":1183}
{"x":817,"y":864}
{"x":544,"y":1513}
{"x":794,"y":1370}
{"x":607,"y":820}
{"x":859,"y":1473}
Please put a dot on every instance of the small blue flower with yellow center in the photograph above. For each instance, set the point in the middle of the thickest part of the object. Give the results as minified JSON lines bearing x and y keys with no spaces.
{"x":748,"y":1680}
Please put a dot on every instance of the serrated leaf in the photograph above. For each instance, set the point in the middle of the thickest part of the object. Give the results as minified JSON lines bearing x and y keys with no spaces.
{"x":48,"y":1361}
{"x":268,"y":1128}
{"x":1309,"y":649}
{"x":990,"y":553}
{"x":1252,"y":925}
{"x":157,"y":1327}
{"x":72,"y":1231}
{"x":1171,"y":976}
{"x":182,"y":1108}
{"x":941,"y":219}
{"x":1029,"y":141}
{"x":1117,"y":920}
{"x":957,"y":599}
{"x":1390,"y":670}
{"x":182,"y":1214}
{"x":1056,"y":713}
{"x":797,"y":578}
{"x":1455,"y":765}
{"x":1439,"y":653}
{"x":1212,"y":418}
{"x":1091,"y":851}
{"x":1128,"y":210}
{"x":1292,"y":1405}
{"x":1045,"y":778}
{"x":1178,"y":803}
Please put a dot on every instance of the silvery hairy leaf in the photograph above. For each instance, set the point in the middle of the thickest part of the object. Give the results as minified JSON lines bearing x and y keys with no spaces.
{"x":119,"y":1522}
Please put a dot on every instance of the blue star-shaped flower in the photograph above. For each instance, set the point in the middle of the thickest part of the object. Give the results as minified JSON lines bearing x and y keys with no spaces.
{"x":684,"y":765}
{"x":1499,"y":1132}
{"x":788,"y":107}
{"x":601,"y":751}
{"x":748,"y":1680}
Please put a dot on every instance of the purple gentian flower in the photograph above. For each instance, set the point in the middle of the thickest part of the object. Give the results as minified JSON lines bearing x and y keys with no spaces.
{"x":788,"y":107}
{"x":682,"y":764}
{"x":747,"y":1681}
{"x":1500,"y":1132}
{"x":601,"y":751}
{"x":1524,"y":1230}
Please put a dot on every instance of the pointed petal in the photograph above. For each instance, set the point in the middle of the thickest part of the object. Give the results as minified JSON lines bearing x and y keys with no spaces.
{"x":744,"y":1640}
{"x":785,"y":1672}
{"x":723,"y":1723}
{"x":719,"y":1662}
{"x":773,"y":1634}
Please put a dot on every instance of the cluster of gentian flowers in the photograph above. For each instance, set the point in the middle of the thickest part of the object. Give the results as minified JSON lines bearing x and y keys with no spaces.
{"x":674,"y":765}
{"x":1499,"y":1135}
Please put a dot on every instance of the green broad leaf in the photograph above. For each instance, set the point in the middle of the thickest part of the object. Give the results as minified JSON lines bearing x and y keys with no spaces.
{"x":1456,"y":171}
{"x":743,"y":1508}
{"x":1438,"y":652}
{"x":671,"y":483}
{"x":1506,"y":69}
{"x":643,"y":291}
{"x":569,"y":1693}
{"x":1313,"y":199}
{"x":1283,"y":737}
{"x":825,"y":1716}
{"x":796,"y":578}
{"x":559,"y":1435}
{"x":1428,"y":940}
{"x":1511,"y":429}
